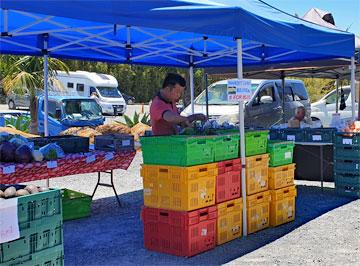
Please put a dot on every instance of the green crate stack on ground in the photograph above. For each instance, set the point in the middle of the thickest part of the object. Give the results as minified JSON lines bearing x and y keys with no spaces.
{"x":41,"y":232}
{"x":347,"y":164}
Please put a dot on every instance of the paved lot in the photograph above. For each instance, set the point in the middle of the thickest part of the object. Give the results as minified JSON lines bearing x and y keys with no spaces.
{"x":326,"y":230}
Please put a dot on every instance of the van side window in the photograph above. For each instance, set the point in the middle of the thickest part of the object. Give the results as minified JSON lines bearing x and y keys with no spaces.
{"x":267,"y":90}
{"x":80,"y":87}
{"x":51,"y":108}
{"x":70,"y":85}
{"x":299,"y":91}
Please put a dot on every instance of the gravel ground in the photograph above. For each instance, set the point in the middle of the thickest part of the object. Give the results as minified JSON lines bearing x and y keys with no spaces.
{"x":326,"y":230}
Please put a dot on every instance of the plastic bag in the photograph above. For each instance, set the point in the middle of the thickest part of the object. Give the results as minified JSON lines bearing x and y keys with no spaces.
{"x":52,"y":151}
{"x":18,"y":141}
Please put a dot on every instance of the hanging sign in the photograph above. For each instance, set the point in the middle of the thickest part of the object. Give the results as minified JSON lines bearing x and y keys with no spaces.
{"x":9,"y":222}
{"x":239,"y":90}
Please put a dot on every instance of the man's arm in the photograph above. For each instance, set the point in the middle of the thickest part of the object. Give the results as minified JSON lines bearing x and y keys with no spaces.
{"x":175,"y":118}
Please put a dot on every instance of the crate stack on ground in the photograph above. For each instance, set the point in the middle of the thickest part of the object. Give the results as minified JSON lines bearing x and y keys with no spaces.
{"x":347,"y":164}
{"x":180,"y":174}
{"x":257,"y":184}
{"x":281,"y":182}
{"x":41,"y":232}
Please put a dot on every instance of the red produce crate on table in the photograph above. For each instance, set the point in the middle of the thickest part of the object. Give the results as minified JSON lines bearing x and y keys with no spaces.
{"x":179,"y":233}
{"x":228,"y":181}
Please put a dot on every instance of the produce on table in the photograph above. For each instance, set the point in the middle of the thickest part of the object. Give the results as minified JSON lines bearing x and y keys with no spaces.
{"x":208,"y":128}
{"x":22,"y":192}
{"x":70,"y":131}
{"x":18,"y":141}
{"x":7,"y":151}
{"x":23,"y":154}
{"x":139,"y":130}
{"x":42,"y":189}
{"x":52,"y":151}
{"x":117,"y":128}
{"x":10,"y":192}
{"x":32,"y":189}
{"x":352,"y":127}
{"x":2,"y":195}
{"x":14,"y":131}
{"x":37,"y":156}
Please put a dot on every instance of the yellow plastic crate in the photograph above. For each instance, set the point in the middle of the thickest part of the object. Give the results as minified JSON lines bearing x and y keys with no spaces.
{"x":281,"y":176}
{"x":282,"y":206}
{"x":257,"y":170}
{"x":229,"y":221}
{"x":258,"y":211}
{"x":179,"y":188}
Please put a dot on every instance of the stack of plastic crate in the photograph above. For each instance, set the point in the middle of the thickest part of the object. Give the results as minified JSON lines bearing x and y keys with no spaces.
{"x":41,"y":232}
{"x":257,"y":168}
{"x":281,"y":182}
{"x":179,"y":178}
{"x":347,"y":164}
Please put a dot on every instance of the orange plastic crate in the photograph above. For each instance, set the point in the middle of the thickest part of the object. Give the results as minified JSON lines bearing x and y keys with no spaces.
{"x":229,"y":221}
{"x":179,"y":188}
{"x":258,"y":211}
{"x":228,"y":181}
{"x":257,"y":170}
{"x":281,"y":176}
{"x":282,"y":206}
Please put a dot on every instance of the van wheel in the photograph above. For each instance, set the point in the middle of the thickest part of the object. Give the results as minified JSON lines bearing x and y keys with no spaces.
{"x":11,"y":105}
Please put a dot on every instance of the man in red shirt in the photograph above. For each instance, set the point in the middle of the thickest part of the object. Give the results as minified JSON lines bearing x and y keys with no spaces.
{"x":163,"y":111}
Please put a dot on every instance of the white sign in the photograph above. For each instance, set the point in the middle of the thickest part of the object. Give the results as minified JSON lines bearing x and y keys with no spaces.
{"x":51,"y":164}
{"x":347,"y":141}
{"x":9,"y":169}
{"x":288,"y":155}
{"x":126,"y":142}
{"x":9,"y":222}
{"x":91,"y":158}
{"x":316,"y":138}
{"x":239,"y":90}
{"x":290,"y":137}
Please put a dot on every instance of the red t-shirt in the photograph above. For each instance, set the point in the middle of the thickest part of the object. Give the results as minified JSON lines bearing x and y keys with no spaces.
{"x":158,"y":107}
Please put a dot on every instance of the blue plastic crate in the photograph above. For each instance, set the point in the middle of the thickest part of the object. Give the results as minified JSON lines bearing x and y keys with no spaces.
{"x":347,"y":166}
{"x":294,"y":134}
{"x":347,"y":184}
{"x":347,"y":139}
{"x":276,"y":134}
{"x":322,"y":135}
{"x":345,"y":152}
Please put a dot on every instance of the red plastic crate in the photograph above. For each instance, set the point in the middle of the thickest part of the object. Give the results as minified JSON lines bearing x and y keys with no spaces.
{"x":179,"y":233}
{"x":228,"y":181}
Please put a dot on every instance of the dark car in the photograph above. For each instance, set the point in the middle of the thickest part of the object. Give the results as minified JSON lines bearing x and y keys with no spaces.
{"x":128,"y":99}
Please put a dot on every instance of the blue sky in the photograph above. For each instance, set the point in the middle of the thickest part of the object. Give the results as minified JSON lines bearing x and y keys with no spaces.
{"x":345,"y":12}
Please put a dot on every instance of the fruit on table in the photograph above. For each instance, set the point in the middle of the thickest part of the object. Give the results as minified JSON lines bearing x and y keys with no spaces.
{"x":22,"y":192}
{"x":10,"y":192}
{"x":42,"y":189}
{"x":7,"y":151}
{"x":2,"y":195}
{"x":113,"y":129}
{"x":37,"y":155}
{"x":32,"y":189}
{"x":23,"y":154}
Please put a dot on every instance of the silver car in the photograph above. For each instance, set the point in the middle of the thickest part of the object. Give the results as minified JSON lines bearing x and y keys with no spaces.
{"x":265,"y":107}
{"x":18,"y":100}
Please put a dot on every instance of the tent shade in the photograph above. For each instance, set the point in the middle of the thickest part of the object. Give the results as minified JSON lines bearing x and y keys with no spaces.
{"x":167,"y":33}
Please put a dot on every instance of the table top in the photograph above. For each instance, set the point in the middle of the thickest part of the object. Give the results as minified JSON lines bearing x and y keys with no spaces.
{"x":314,"y":143}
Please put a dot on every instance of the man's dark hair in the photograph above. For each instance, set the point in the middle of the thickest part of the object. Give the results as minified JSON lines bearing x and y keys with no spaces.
{"x":172,"y":79}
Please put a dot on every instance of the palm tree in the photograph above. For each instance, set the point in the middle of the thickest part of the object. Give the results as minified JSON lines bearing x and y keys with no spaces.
{"x":27,"y":72}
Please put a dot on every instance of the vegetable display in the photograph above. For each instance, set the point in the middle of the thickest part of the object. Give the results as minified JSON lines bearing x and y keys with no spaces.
{"x":18,"y":191}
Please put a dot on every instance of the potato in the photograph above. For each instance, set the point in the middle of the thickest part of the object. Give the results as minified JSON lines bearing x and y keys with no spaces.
{"x":22,"y":192}
{"x":10,"y":192}
{"x":42,"y":189}
{"x":32,"y":189}
{"x":2,"y":195}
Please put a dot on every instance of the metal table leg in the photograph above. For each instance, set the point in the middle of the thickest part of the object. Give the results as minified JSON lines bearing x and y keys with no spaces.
{"x":322,"y":166}
{"x":99,"y":183}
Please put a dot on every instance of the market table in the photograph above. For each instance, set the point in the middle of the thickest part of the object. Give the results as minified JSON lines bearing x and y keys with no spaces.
{"x":321,"y":149}
{"x":71,"y":164}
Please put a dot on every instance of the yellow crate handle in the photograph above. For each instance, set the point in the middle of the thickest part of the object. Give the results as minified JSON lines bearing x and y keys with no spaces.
{"x":163,"y":170}
{"x":285,"y":169}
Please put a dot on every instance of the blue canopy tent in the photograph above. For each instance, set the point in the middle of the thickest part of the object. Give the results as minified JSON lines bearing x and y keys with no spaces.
{"x":180,"y":33}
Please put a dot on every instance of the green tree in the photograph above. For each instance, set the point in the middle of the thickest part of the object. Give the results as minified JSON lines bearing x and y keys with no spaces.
{"x":27,"y":72}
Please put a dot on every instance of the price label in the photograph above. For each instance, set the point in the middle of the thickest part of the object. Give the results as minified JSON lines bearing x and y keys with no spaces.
{"x":239,"y":90}
{"x":91,"y":158}
{"x":51,"y":164}
{"x":9,"y":169}
{"x":109,"y":156}
{"x":288,"y":155}
{"x":347,"y":141}
{"x":316,"y":138}
{"x":290,"y":137}
{"x":203,"y":232}
{"x":126,"y":142}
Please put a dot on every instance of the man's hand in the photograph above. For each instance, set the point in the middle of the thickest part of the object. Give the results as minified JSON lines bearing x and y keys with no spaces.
{"x":197,"y":117}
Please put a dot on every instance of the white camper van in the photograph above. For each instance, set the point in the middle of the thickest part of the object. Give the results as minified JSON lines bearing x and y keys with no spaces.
{"x":102,"y":87}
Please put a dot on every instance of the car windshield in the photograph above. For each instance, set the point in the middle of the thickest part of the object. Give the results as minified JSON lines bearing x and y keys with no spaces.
{"x":112,"y":92}
{"x":81,"y":109}
{"x":218,"y":95}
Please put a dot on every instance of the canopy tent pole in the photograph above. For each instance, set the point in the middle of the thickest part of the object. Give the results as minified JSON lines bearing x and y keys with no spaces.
{"x":337,"y":95}
{"x":206,"y":93}
{"x":283,"y":95}
{"x":352,"y":84}
{"x":242,"y":136}
{"x":191,"y":76}
{"x":46,"y":109}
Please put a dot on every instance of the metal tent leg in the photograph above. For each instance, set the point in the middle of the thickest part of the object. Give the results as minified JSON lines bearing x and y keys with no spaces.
{"x":99,"y":183}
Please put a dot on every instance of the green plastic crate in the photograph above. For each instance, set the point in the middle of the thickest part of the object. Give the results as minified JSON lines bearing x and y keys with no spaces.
{"x":49,"y":257}
{"x":178,"y":150}
{"x":76,"y":205}
{"x":226,"y":147}
{"x":322,"y":135}
{"x":347,"y":166}
{"x":256,"y":142}
{"x":37,"y":238}
{"x":347,"y":139}
{"x":281,"y":152}
{"x":347,"y":184}
{"x":346,"y":152}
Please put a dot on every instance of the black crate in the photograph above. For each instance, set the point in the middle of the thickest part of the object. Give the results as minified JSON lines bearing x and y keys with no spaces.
{"x":114,"y":142}
{"x":69,"y":144}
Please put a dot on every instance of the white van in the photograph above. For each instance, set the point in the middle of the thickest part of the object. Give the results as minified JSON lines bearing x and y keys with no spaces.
{"x":102,"y":87}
